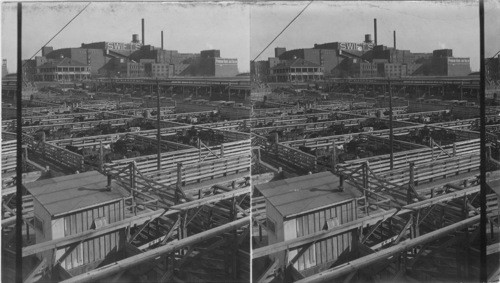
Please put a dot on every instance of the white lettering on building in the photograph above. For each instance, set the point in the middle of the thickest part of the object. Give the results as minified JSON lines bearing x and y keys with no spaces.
{"x":355,"y":46}
{"x":123,"y":46}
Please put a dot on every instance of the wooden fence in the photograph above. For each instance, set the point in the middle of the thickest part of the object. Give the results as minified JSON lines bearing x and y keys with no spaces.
{"x":434,"y":170}
{"x":195,"y":173}
{"x":165,"y":145}
{"x":9,"y":156}
{"x":309,"y":127}
{"x":296,"y":157}
{"x":57,"y":155}
{"x":139,"y":112}
{"x":417,"y":156}
{"x":170,"y":159}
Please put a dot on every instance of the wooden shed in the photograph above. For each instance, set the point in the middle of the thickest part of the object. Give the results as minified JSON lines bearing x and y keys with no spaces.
{"x":69,"y":205}
{"x":303,"y":205}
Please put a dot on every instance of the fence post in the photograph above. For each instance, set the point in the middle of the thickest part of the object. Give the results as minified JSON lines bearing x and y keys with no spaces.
{"x":432,"y":148}
{"x":222,"y":150}
{"x":101,"y":156}
{"x":334,"y":157}
{"x":199,"y":149}
{"x":365,"y":185}
{"x":341,"y":183}
{"x":179,"y":182}
{"x":132,"y":187}
{"x":276,"y":140}
{"x":454,"y":149}
{"x":411,"y":184}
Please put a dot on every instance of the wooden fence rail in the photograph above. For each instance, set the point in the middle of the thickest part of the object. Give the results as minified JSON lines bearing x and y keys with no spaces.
{"x":296,"y":157}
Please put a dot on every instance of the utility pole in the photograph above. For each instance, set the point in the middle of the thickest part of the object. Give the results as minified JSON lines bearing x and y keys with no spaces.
{"x":391,"y":137}
{"x":158,"y":122}
{"x":19,"y":145}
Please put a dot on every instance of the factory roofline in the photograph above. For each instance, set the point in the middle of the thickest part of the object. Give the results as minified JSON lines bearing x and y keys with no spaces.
{"x":299,"y":62}
{"x":63,"y":62}
{"x":300,"y":195}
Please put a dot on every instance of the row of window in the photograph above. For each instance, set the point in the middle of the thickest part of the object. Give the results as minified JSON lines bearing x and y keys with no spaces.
{"x":64,"y":69}
{"x":297,"y":70}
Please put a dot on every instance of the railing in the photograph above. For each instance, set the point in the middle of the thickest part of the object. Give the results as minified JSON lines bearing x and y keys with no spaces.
{"x":381,"y":163}
{"x":58,"y":155}
{"x":9,"y":156}
{"x":165,"y":145}
{"x":170,"y":159}
{"x":296,"y":157}
{"x":431,"y":171}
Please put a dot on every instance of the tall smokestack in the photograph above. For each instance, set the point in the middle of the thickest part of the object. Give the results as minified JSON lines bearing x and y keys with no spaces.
{"x":394,"y":39}
{"x":142,"y":31}
{"x":161,"y":40}
{"x":375,"y":30}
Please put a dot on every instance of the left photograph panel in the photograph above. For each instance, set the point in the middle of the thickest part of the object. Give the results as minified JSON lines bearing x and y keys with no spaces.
{"x":136,"y":147}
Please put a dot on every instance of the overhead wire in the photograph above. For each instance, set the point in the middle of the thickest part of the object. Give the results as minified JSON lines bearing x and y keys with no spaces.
{"x":81,"y":11}
{"x":276,"y":37}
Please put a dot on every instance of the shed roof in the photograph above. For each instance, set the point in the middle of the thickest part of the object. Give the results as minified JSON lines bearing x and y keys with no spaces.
{"x":70,"y":193}
{"x":303,"y":194}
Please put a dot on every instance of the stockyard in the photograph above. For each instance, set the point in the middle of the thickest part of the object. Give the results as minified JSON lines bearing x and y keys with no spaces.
{"x":307,"y":184}
{"x":335,"y":199}
{"x":130,"y":181}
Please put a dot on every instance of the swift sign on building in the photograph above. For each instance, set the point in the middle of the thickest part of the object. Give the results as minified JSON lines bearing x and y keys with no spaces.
{"x":355,"y":46}
{"x":122,"y":46}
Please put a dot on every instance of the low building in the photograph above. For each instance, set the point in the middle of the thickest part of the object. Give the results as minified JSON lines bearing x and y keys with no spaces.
{"x":159,"y":70}
{"x":64,"y":69}
{"x":73,"y":204}
{"x":208,"y":65}
{"x":304,"y":205}
{"x":450,"y":66}
{"x":95,"y":58}
{"x":298,"y":70}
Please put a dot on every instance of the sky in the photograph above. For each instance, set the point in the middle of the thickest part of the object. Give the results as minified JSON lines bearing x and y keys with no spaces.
{"x":242,"y":29}
{"x":187,"y":27}
{"x":420,"y":26}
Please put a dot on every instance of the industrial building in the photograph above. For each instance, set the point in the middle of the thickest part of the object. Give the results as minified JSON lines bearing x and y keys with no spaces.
{"x":368,"y":59}
{"x":64,"y":69}
{"x":211,"y":64}
{"x":132,"y":59}
{"x":298,"y":70}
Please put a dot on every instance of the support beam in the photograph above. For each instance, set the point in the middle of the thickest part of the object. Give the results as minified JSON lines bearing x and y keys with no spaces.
{"x":352,"y":266}
{"x":107,"y":270}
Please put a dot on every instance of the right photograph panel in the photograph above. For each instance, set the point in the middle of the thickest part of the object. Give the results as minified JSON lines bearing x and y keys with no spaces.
{"x":365,"y":142}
